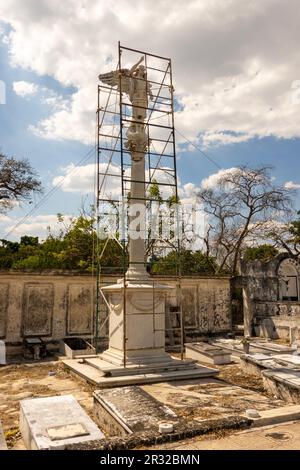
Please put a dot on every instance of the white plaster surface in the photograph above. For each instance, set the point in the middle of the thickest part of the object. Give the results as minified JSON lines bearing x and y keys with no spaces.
{"x":51,"y":423}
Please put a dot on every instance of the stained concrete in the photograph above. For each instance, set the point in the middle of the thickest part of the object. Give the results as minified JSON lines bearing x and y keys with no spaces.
{"x":277,"y":415}
{"x":272,"y":297}
{"x":276,"y":437}
{"x":257,"y":363}
{"x":283,"y":383}
{"x":53,"y":422}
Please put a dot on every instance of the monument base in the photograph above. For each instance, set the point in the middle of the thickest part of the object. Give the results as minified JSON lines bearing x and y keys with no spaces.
{"x":136,"y":323}
{"x":135,"y":358}
{"x":106,"y":375}
{"x":136,"y":353}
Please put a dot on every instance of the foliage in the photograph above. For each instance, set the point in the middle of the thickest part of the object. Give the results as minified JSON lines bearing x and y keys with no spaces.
{"x":77,"y":247}
{"x":74,"y":247}
{"x":186,"y":262}
{"x":17,"y":181}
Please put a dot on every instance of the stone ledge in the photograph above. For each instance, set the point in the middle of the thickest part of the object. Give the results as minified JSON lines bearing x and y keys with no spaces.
{"x":284,"y":414}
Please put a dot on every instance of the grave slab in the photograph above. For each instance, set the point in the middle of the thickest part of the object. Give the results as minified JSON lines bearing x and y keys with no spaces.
{"x":283,"y":383}
{"x":256,"y":363}
{"x":51,"y":423}
{"x":235,"y":347}
{"x":207,"y":353}
{"x":128,"y":410}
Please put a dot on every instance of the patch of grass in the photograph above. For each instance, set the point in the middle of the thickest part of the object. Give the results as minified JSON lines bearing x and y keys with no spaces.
{"x":11,"y":436}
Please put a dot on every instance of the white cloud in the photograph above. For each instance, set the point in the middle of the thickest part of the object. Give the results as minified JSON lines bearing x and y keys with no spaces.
{"x":81,"y":179}
{"x":292,"y":185}
{"x":213,"y":180}
{"x":234,"y":83}
{"x":4,"y":219}
{"x":23,"y":88}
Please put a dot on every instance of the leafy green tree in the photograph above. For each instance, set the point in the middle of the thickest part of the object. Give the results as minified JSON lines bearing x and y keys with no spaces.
{"x":262,"y":252}
{"x":8,"y":252}
{"x":29,"y":241}
{"x":76,"y":247}
{"x":187,"y":262}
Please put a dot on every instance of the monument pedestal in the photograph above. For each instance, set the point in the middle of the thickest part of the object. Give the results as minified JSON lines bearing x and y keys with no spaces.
{"x":137,"y":316}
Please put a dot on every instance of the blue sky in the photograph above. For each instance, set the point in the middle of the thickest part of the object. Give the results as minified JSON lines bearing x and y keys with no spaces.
{"x":224,"y":90}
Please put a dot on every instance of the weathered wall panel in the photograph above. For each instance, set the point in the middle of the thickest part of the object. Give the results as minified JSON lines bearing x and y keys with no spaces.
{"x":4,"y":290}
{"x":189,"y":306}
{"x":38,"y":309}
{"x":80,"y":309}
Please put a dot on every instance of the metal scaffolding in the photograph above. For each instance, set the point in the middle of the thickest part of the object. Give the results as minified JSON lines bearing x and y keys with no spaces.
{"x":114,"y":117}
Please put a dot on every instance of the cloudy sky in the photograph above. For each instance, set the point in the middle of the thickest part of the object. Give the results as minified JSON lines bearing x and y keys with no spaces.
{"x":236,"y":67}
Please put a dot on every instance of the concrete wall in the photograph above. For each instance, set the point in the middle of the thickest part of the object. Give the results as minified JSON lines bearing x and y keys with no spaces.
{"x":54,"y":306}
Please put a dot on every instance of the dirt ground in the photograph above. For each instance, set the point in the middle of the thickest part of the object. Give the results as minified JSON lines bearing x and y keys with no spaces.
{"x":231,"y":393}
{"x":18,"y":382}
{"x":233,"y":374}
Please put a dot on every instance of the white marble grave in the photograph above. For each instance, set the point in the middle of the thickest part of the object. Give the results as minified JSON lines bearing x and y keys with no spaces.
{"x":51,"y":423}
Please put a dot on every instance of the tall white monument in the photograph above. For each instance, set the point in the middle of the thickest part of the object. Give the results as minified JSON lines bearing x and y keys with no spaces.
{"x":137,"y":309}
{"x":136,"y":352}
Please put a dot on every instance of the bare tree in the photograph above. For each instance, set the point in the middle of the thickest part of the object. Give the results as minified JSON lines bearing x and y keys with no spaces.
{"x":238,"y":206}
{"x":286,"y":235}
{"x":17,"y":181}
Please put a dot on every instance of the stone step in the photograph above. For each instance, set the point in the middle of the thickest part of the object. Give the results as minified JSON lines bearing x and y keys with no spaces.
{"x":196,"y":373}
{"x":89,"y":373}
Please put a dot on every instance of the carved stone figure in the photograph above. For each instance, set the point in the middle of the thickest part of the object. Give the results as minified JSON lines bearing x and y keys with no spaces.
{"x":134,"y":83}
